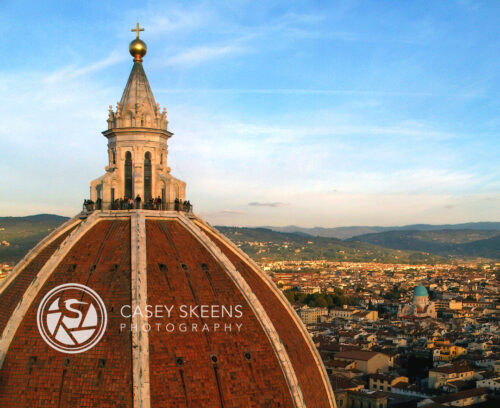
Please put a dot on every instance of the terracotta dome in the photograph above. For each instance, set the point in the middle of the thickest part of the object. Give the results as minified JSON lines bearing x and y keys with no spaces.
{"x":167,"y":257}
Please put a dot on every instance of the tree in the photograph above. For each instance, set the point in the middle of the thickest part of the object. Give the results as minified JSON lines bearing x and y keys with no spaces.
{"x":321,"y":302}
{"x":290,"y":296}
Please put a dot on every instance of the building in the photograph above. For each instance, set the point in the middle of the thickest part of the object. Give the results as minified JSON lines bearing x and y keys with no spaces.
{"x":369,"y":399}
{"x":448,"y":352}
{"x":352,"y":398}
{"x":366,"y":315}
{"x":349,"y":313}
{"x":345,"y":369}
{"x":492,"y":383}
{"x":458,"y":399}
{"x":385,"y":382}
{"x":440,"y":376}
{"x":421,"y":306}
{"x":341,"y":385}
{"x":311,"y":315}
{"x":254,"y":352}
{"x":369,"y":362}
{"x":346,"y":313}
{"x":310,"y":289}
{"x":448,"y":304}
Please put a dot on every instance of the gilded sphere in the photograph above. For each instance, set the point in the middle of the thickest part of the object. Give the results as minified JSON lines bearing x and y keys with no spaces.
{"x":137,"y":49}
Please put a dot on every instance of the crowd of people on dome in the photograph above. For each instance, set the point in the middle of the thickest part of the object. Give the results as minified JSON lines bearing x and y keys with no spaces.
{"x":180,"y":205}
{"x":88,"y":205}
{"x":128,"y":203}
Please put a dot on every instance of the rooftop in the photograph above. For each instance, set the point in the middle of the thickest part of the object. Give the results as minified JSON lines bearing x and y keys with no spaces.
{"x":357,"y":355}
{"x":474,"y":392}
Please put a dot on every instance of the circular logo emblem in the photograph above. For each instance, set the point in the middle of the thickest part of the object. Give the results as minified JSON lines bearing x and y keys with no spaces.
{"x":72,"y":318}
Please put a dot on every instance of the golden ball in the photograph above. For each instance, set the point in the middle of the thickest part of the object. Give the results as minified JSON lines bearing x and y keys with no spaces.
{"x":138,"y":49}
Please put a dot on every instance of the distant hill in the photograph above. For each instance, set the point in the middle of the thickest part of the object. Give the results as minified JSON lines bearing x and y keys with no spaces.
{"x":265,"y":244}
{"x":455,"y":242}
{"x":23,"y":233}
{"x":486,"y":248}
{"x":32,"y":219}
{"x":423,"y":244}
{"x":348,"y":232}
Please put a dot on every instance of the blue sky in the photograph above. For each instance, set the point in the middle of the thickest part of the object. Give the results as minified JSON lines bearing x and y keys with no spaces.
{"x":307,"y":113}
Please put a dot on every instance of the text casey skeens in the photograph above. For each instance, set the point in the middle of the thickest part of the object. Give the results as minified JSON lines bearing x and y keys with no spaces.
{"x":183,"y":312}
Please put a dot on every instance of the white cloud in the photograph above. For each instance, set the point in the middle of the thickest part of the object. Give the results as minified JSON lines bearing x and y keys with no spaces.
{"x":273,"y":204}
{"x":70,"y":73}
{"x":402,"y":176}
{"x":201,"y":54}
{"x":177,"y":20}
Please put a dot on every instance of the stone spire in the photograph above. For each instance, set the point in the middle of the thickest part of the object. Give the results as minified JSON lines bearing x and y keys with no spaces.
{"x":137,"y":107}
{"x":137,"y":90}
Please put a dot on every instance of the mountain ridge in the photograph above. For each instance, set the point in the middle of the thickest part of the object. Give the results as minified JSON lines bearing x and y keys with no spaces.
{"x":355,"y":230}
{"x":19,"y":234}
{"x":446,"y":242}
{"x":402,"y":245}
{"x":264,"y":244}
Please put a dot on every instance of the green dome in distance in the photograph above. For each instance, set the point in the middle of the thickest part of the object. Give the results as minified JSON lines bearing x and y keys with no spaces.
{"x":420,"y":290}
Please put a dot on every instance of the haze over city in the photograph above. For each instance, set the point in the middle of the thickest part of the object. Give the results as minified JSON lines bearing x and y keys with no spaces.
{"x":348,"y":113}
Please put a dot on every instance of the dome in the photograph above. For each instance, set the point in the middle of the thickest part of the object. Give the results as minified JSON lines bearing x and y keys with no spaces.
{"x":170,"y":258}
{"x":420,"y":290}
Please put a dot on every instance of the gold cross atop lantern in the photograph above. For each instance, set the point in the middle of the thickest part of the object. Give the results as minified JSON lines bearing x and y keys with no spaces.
{"x":137,"y":47}
{"x":137,"y":29}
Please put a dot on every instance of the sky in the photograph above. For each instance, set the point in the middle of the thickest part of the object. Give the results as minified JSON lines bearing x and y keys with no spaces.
{"x":309,"y":113}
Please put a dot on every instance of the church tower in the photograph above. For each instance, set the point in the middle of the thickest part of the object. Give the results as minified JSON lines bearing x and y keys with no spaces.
{"x":137,"y":144}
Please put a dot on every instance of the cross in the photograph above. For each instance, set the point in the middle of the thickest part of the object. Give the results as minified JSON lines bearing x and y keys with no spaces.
{"x":137,"y":29}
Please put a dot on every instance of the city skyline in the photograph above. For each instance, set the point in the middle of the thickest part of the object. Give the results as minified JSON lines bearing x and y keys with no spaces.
{"x":347,"y":114}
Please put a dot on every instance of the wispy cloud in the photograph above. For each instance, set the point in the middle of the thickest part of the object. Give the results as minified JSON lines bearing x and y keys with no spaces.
{"x":201,"y":54}
{"x":177,"y":20}
{"x":220,"y":213}
{"x":180,"y":18}
{"x":70,"y":73}
{"x":410,"y":181}
{"x":476,"y":93}
{"x":297,"y":91}
{"x":271,"y":204}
